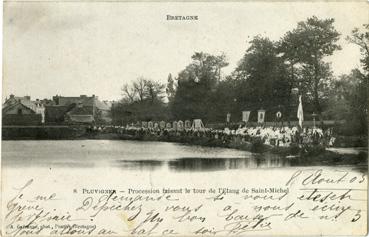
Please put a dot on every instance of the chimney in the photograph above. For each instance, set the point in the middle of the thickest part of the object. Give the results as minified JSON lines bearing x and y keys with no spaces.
{"x":11,"y":96}
{"x":56,"y":99}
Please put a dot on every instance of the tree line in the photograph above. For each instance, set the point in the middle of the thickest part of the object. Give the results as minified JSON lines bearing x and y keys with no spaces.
{"x":270,"y":75}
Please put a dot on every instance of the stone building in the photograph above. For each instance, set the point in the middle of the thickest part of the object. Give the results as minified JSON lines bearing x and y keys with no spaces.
{"x":77,"y":110}
{"x":23,"y":111}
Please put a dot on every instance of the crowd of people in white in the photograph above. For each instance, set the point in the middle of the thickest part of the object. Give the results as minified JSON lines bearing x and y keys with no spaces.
{"x":280,"y":136}
{"x":285,"y":136}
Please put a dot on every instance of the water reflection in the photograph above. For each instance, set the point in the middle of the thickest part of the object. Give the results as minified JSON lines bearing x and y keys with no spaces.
{"x":148,"y":165}
{"x":196,"y":164}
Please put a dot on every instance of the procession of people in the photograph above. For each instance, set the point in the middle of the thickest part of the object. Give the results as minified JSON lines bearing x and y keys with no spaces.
{"x":277,"y":136}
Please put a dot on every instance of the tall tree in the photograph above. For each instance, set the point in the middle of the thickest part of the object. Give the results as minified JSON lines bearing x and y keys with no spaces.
{"x":154,"y":91}
{"x":128,"y":93}
{"x":143,"y":99}
{"x":308,"y":44}
{"x":196,"y":83}
{"x":140,"y":87}
{"x":143,"y":89}
{"x":348,"y":101}
{"x":360,"y":99}
{"x":262,"y":75}
{"x":225,"y":100}
{"x":360,"y":37}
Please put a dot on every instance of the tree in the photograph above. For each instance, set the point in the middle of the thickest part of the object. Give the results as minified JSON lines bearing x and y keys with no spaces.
{"x":307,"y":45}
{"x":143,"y":99}
{"x":128,"y":93}
{"x":140,"y":88}
{"x":143,"y":89}
{"x":360,"y":99}
{"x":262,"y":75}
{"x":348,"y":101}
{"x":307,"y":87}
{"x":225,"y":100}
{"x":361,"y":38}
{"x":359,"y":102}
{"x":196,"y":83}
{"x":154,"y":91}
{"x":210,"y":65}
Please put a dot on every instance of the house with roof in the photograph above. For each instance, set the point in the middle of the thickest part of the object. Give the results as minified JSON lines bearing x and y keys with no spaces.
{"x":77,"y":110}
{"x":23,"y":111}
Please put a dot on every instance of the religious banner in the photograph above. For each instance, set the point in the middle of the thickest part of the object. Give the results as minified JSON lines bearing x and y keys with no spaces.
{"x":175,"y":125}
{"x":228,"y":119}
{"x":197,"y":124}
{"x":150,"y":124}
{"x":187,"y":124}
{"x":162,"y":124}
{"x":168,"y":125}
{"x":245,"y":116}
{"x":278,"y":115}
{"x":300,"y":113}
{"x":261,"y":115}
{"x":144,"y":124}
{"x":180,"y":125}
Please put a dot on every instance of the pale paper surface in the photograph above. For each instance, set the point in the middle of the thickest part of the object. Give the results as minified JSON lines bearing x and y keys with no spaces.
{"x":194,"y":213}
{"x":53,"y":202}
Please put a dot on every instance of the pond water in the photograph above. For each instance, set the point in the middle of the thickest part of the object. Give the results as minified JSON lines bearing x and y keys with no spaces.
{"x":130,"y":155}
{"x":134,"y":155}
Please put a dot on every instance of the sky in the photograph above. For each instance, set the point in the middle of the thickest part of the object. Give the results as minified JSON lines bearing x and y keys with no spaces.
{"x":75,"y":48}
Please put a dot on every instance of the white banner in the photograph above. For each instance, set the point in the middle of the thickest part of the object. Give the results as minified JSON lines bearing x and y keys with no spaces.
{"x":228,"y":119}
{"x":245,"y":116}
{"x":261,"y":116}
{"x":300,"y":112}
{"x":197,"y":124}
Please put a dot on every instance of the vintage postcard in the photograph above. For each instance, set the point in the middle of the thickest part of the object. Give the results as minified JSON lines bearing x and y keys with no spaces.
{"x":123,"y":118}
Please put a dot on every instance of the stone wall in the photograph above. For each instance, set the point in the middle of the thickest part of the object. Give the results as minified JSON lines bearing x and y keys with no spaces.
{"x":22,"y":119}
{"x":43,"y":132}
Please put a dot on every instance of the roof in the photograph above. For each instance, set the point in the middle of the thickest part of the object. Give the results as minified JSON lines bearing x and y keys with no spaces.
{"x":26,"y":101}
{"x":81,"y":111}
{"x":102,"y":105}
{"x":85,"y":100}
{"x":11,"y":106}
{"x":81,"y":118}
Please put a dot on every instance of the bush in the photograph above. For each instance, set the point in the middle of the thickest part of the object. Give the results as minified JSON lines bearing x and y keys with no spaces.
{"x":257,"y":146}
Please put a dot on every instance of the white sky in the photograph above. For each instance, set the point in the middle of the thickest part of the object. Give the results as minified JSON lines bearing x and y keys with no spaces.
{"x":93,"y":48}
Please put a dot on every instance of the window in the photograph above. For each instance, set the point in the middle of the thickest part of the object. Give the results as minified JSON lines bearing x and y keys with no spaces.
{"x":19,"y":111}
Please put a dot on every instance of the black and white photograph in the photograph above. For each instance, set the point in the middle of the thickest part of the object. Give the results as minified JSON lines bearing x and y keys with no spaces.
{"x":124,"y":118}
